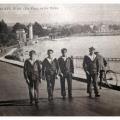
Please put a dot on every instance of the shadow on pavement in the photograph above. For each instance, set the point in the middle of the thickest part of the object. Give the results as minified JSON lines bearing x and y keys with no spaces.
{"x":25,"y":102}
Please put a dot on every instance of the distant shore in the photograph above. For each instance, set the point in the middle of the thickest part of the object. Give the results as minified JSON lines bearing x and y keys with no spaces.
{"x":98,"y":34}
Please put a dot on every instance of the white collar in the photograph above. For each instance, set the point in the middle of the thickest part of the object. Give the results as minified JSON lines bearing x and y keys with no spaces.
{"x":64,"y":58}
{"x":50,"y":60}
{"x":31,"y":61}
{"x":92,"y":57}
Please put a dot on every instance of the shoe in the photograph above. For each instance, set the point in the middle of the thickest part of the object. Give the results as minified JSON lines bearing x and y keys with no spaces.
{"x":70,"y":96}
{"x":97,"y":95}
{"x":64,"y":97}
{"x":31,"y":103}
{"x":90,"y":96}
{"x":100,"y":87}
{"x":51,"y":97}
{"x":36,"y":101}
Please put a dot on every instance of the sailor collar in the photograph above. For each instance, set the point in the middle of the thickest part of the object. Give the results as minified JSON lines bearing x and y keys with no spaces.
{"x":50,"y":60}
{"x":64,"y":58}
{"x":92,"y":57}
{"x":31,"y":61}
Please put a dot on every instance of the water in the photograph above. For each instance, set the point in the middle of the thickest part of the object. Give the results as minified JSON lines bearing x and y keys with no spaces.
{"x":108,"y":46}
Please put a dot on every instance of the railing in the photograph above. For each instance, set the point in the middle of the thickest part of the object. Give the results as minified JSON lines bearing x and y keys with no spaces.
{"x":112,"y":66}
{"x":113,"y":59}
{"x":79,"y":59}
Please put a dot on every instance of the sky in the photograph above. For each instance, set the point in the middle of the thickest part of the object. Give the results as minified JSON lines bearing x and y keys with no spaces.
{"x":67,"y":13}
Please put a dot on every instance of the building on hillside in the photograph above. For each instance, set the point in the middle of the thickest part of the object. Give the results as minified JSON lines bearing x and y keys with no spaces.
{"x":21,"y":37}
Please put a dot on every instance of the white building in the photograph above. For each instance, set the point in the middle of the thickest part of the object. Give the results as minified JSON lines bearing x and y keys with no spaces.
{"x":30,"y":31}
{"x":21,"y":36}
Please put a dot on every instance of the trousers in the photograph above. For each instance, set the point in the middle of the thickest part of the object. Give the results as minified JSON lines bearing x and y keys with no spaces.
{"x":50,"y":84}
{"x":67,"y":77}
{"x":34,"y":90}
{"x":92,"y":80}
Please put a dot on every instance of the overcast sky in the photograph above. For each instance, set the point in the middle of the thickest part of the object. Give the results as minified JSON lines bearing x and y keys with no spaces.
{"x":60,"y":13}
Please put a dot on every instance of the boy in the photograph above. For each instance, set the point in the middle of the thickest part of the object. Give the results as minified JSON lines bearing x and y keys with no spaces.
{"x":32,"y":74}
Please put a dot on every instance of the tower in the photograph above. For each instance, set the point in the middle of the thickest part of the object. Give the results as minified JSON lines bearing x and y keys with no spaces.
{"x":30,"y":31}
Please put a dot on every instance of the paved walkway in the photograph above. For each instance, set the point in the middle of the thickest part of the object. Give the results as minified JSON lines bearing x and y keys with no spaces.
{"x":14,"y":98}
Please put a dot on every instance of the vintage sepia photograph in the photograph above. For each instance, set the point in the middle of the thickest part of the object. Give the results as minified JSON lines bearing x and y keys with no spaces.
{"x":59,"y":60}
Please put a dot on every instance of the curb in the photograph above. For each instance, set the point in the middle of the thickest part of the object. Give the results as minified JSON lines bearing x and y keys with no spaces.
{"x":13,"y":62}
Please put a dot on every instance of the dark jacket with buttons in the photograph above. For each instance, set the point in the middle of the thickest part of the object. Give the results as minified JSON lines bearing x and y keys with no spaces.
{"x":91,"y":66}
{"x":50,"y":68}
{"x":102,"y":62}
{"x":33,"y":72}
{"x":66,"y":66}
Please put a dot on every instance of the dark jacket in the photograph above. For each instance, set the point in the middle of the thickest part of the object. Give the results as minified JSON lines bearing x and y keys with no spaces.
{"x":91,"y":66}
{"x":50,"y":68}
{"x":66,"y":66}
{"x":33,"y":72}
{"x":102,"y":62}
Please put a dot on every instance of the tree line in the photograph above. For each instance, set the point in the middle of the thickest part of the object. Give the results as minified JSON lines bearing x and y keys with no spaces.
{"x":8,"y":33}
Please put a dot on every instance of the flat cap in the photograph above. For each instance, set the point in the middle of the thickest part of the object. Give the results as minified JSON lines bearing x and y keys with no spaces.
{"x":91,"y":48}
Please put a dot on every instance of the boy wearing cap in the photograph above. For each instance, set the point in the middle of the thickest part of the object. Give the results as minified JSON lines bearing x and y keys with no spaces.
{"x":102,"y":66}
{"x":91,"y":67}
{"x":32,"y":73}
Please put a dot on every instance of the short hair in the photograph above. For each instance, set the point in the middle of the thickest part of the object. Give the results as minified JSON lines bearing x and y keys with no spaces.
{"x":91,"y":48}
{"x":50,"y":50}
{"x":32,"y":52}
{"x":63,"y":49}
